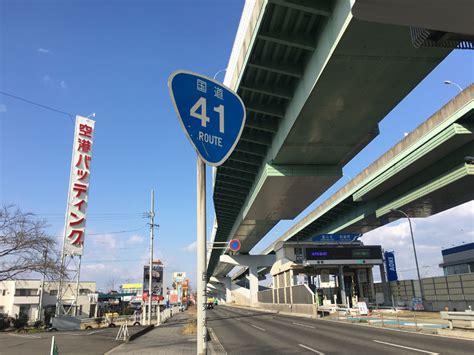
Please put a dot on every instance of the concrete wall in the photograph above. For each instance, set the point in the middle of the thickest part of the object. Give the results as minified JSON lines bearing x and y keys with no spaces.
{"x":300,"y":309}
{"x":240,"y":295}
{"x":454,"y":291}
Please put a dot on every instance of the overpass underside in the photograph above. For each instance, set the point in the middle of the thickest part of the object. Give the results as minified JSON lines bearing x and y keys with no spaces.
{"x":426,"y":173}
{"x":315,"y":83}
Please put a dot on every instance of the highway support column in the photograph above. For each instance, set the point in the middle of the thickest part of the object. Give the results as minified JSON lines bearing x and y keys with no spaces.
{"x":342,"y":287}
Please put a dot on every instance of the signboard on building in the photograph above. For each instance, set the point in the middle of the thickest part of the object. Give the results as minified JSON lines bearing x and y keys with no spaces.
{"x":336,"y":238}
{"x":75,"y":226}
{"x":367,"y":252}
{"x":179,"y":277}
{"x":156,"y":279}
{"x":390,"y":266}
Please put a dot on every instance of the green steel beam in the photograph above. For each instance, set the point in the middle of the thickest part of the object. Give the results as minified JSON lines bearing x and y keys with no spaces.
{"x":235,"y":190}
{"x":225,"y":207}
{"x":256,"y":137}
{"x":267,"y":124}
{"x":228,"y":180}
{"x":245,"y":158}
{"x":271,"y":90}
{"x":240,"y":176}
{"x":235,"y":196}
{"x":320,"y":7}
{"x":228,"y":201}
{"x":251,"y":148}
{"x":275,"y":110}
{"x":414,"y":153}
{"x":436,"y":184}
{"x":243,"y":167}
{"x":278,"y":68}
{"x":293,"y":40}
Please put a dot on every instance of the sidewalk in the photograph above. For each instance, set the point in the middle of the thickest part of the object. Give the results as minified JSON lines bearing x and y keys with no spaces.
{"x":165,"y":339}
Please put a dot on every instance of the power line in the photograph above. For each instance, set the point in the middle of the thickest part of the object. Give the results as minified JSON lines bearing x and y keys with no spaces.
{"x":112,"y":261}
{"x":37,"y":104}
{"x":118,"y":232}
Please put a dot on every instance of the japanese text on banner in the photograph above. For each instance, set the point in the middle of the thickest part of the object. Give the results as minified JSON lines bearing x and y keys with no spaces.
{"x":79,"y":186}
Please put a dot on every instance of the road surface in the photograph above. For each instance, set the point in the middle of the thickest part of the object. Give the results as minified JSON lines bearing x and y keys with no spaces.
{"x":245,"y":331}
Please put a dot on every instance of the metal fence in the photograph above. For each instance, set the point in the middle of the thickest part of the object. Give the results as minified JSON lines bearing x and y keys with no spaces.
{"x":302,"y":295}
{"x":265,"y":296}
{"x":453,"y":291}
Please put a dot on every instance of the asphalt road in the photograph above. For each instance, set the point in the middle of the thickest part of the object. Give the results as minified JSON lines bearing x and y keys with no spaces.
{"x":96,"y":341}
{"x":244,"y":331}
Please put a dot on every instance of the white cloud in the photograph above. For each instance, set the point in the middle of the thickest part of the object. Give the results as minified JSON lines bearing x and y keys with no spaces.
{"x":190,"y":247}
{"x":3,"y":108}
{"x":44,"y":51}
{"x":106,"y":241}
{"x":432,"y":234}
{"x":49,"y":81}
{"x":134,"y":239}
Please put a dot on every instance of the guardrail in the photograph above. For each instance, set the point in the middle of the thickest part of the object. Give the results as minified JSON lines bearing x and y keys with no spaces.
{"x":466,"y":316}
{"x":167,"y":313}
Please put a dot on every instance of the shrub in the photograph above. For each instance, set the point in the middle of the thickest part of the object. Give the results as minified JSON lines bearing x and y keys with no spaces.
{"x":4,"y":323}
{"x":21,"y":321}
{"x":38,"y":324}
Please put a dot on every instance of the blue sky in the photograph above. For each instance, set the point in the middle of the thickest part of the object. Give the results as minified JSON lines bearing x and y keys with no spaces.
{"x":114,"y":58}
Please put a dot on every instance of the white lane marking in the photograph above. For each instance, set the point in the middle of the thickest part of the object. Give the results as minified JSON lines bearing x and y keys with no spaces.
{"x":95,"y":331}
{"x":405,"y":347}
{"x":218,"y":343}
{"x":263,"y":330}
{"x":303,"y":325}
{"x":311,"y":349}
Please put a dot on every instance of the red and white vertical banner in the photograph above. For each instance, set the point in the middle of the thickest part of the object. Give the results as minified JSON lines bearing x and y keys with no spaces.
{"x":79,"y":186}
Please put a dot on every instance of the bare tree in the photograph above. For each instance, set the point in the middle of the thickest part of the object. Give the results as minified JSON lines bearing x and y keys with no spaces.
{"x":24,"y":245}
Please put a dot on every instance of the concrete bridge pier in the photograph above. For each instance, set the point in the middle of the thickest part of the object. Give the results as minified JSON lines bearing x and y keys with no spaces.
{"x":253,"y":262}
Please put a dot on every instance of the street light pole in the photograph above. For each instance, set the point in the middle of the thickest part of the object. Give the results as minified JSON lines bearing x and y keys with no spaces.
{"x":414,"y":251}
{"x":449,"y":82}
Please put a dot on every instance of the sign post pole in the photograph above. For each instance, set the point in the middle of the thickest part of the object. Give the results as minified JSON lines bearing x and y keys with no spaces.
{"x":213,"y":118}
{"x":201,"y":257}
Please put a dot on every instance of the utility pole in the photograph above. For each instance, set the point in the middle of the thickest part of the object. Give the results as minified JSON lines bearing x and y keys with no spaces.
{"x":150,"y":270}
{"x":40,"y":306}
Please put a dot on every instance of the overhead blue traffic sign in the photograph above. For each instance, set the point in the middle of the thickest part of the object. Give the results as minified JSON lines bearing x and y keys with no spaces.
{"x":211,"y":115}
{"x":336,"y":238}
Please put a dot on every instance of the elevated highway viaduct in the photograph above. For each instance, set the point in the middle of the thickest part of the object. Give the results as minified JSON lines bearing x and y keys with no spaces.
{"x":427,"y":172}
{"x":316,"y":82}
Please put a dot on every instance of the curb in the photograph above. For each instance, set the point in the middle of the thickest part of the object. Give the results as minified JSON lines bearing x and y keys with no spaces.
{"x":140,"y":333}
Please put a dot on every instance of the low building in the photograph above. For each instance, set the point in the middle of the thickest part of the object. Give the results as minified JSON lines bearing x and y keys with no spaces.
{"x":458,"y":260}
{"x":23,"y":297}
{"x":135,"y":288}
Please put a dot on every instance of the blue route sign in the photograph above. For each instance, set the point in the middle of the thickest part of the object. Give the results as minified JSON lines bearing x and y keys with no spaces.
{"x":211,"y":115}
{"x":336,"y":238}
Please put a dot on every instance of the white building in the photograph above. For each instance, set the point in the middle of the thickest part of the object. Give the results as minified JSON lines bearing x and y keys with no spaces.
{"x":23,"y":297}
